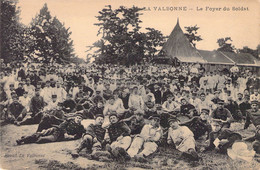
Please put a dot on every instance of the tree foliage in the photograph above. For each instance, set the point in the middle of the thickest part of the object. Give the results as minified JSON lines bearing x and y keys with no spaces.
{"x":225,"y":45}
{"x":122,"y":42}
{"x":192,"y":34}
{"x":52,"y":42}
{"x":249,"y":50}
{"x":12,"y":32}
{"x":154,"y":40}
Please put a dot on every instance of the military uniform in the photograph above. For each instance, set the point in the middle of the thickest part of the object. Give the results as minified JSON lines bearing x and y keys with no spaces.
{"x":55,"y":133}
{"x":93,"y":138}
{"x":223,"y":134}
{"x":222,"y":114}
{"x":252,"y":117}
{"x":198,"y":126}
{"x":116,"y":130}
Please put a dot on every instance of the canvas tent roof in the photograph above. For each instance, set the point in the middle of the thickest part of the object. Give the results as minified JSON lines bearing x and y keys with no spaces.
{"x":179,"y":46}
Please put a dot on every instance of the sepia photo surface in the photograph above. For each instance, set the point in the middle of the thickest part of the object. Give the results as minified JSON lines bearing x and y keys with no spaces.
{"x":130,"y":84}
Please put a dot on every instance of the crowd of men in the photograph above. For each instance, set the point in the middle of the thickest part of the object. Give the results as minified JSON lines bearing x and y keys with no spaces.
{"x":136,"y":109}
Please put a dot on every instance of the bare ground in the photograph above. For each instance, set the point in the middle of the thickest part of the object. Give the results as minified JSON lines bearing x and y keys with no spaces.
{"x":57,"y":155}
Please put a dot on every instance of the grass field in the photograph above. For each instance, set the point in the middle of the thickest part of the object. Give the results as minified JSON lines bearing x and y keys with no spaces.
{"x":57,"y":155}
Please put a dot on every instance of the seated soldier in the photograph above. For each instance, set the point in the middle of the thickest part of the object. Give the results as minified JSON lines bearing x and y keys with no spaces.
{"x":52,"y":104}
{"x":96,"y":109}
{"x":169,"y":108}
{"x":98,"y":97}
{"x":253,"y":115}
{"x":232,"y":106}
{"x":69,"y":104}
{"x":37,"y":103}
{"x":149,"y":106}
{"x":199,"y":124}
{"x":183,"y":139}
{"x":54,"y":117}
{"x":68,"y":130}
{"x":15,"y":111}
{"x":111,"y":107}
{"x":220,"y":139}
{"x":150,"y":134}
{"x":222,"y":113}
{"x":136,"y":122}
{"x":119,"y":139}
{"x":25,"y":100}
{"x":51,"y":113}
{"x":135,"y":101}
{"x":85,"y":104}
{"x":93,"y":137}
{"x":186,"y":108}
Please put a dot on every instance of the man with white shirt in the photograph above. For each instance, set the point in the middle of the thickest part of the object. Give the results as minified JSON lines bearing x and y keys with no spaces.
{"x":29,"y":88}
{"x":150,"y":134}
{"x":205,"y":104}
{"x":194,"y":100}
{"x":255,"y":96}
{"x":46,"y":92}
{"x":183,"y":139}
{"x":148,"y":93}
{"x":60,"y":91}
{"x":135,"y":101}
{"x":25,"y":100}
{"x":53,"y":104}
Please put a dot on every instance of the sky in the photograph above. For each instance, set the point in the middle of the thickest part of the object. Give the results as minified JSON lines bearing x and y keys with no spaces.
{"x":241,"y":22}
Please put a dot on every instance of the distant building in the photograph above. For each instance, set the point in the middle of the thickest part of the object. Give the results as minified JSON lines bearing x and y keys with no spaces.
{"x":178,"y":49}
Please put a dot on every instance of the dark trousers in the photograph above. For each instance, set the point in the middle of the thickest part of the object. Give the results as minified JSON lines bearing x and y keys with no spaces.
{"x":36,"y":119}
{"x":48,"y":121}
{"x":231,"y":140}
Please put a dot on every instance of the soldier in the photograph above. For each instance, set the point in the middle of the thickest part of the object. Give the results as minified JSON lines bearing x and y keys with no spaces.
{"x":183,"y":139}
{"x":220,"y":139}
{"x":93,"y":137}
{"x":222,"y":113}
{"x":199,"y":124}
{"x":37,"y":103}
{"x":69,"y":129}
{"x":119,"y":138}
{"x":186,"y":107}
{"x":15,"y":111}
{"x":245,"y":105}
{"x":150,"y":134}
{"x":136,"y":122}
{"x":253,"y":115}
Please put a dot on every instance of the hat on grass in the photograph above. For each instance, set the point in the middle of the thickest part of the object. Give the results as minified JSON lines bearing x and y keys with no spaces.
{"x":239,"y":151}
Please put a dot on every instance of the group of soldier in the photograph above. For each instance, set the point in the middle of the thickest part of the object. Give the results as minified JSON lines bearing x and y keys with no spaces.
{"x":136,"y":109}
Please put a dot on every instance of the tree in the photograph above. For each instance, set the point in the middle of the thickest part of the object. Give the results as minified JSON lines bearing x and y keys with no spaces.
{"x":52,"y":42}
{"x":249,"y":50}
{"x":13,"y":44}
{"x":225,"y":45}
{"x":192,"y":34}
{"x":121,"y":37}
{"x":154,"y":39}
